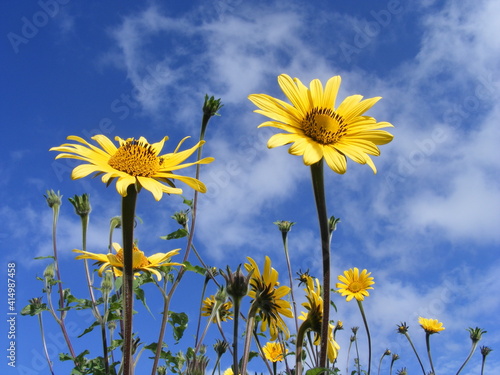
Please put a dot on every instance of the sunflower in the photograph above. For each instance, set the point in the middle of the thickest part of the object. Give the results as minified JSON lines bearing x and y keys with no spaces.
{"x":430,"y":326}
{"x":134,"y":161}
{"x":224,"y":310}
{"x":355,"y":285}
{"x":274,"y":352}
{"x":268,"y":299}
{"x":319,"y":130}
{"x":140,"y":261}
{"x":314,"y":316}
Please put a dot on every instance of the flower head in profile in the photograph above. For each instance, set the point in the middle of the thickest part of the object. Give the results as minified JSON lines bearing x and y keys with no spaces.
{"x":314,"y":317}
{"x":224,"y":310}
{"x":140,"y":261}
{"x":274,"y":351}
{"x":317,"y":128}
{"x":133,"y":162}
{"x":430,"y":326}
{"x":354,"y":284}
{"x":267,"y":297}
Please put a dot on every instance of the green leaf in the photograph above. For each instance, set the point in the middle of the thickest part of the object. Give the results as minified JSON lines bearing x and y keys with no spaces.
{"x":179,"y":322}
{"x":90,"y":329}
{"x":199,"y":270}
{"x":179,"y":233}
{"x":319,"y":370}
{"x":46,"y":257}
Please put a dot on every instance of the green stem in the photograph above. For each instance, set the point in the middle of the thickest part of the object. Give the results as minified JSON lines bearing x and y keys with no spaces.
{"x":348,"y":354}
{"x":358,"y":364}
{"x":128,"y":217}
{"x":248,"y":338}
{"x":287,"y":256}
{"x":319,"y":195}
{"x":62,"y":315}
{"x":44,"y":343}
{"x":472,"y":350}
{"x":428,"y":343}
{"x":360,"y":304}
{"x":85,"y":224}
{"x":415,"y":351}
{"x":300,"y":344}
{"x":166,"y":305}
{"x":235,"y":335}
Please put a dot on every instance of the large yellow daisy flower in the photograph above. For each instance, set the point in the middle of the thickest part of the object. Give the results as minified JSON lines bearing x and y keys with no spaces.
{"x":267,"y":297}
{"x":355,"y":285}
{"x":314,"y":316}
{"x":139,"y":261}
{"x":135,"y":161}
{"x":430,"y":326}
{"x":317,"y":128}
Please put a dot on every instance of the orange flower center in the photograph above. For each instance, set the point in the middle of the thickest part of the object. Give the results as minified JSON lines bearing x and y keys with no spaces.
{"x":355,"y":286}
{"x":136,"y":159}
{"x":324,"y":125}
{"x":139,"y":259}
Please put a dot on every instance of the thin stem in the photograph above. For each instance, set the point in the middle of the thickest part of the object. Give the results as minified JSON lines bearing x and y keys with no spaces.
{"x":472,"y":350}
{"x":128,"y":217}
{"x":85,"y":224}
{"x":428,"y":343}
{"x":300,"y":343}
{"x":358,"y":364}
{"x":60,"y":321}
{"x":166,"y":305}
{"x":347,"y":361}
{"x":415,"y":351}
{"x":319,"y":195}
{"x":235,"y":335}
{"x":44,"y":343}
{"x":287,"y":256}
{"x":360,"y":304}
{"x":248,"y":338}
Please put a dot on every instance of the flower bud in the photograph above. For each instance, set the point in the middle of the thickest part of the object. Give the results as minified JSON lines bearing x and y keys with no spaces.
{"x":53,"y":198}
{"x":81,"y":204}
{"x":284,"y":226}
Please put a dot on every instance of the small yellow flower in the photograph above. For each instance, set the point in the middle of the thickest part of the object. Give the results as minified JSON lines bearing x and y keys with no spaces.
{"x":134,"y":161}
{"x":224,"y":310}
{"x":314,"y":317}
{"x":317,"y":128}
{"x":273,"y":351}
{"x":430,"y":326}
{"x":267,"y":297}
{"x":140,"y":261}
{"x":355,"y":285}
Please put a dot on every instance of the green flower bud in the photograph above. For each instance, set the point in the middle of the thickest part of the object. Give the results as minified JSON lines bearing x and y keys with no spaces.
{"x":81,"y":204}
{"x":53,"y":198}
{"x":284,"y":226}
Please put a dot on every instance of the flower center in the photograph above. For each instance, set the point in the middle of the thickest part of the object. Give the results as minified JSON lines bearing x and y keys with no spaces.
{"x":136,"y":158}
{"x":139,"y":259}
{"x":355,"y":286}
{"x":324,"y":125}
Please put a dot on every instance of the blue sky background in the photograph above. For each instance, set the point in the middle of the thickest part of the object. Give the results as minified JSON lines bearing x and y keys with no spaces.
{"x":426,"y":226}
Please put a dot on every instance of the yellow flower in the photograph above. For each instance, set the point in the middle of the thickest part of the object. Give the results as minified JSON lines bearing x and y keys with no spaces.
{"x":139,"y":261}
{"x":355,"y":285}
{"x":224,"y":310}
{"x":273,"y":351}
{"x":430,"y":326}
{"x":268,"y":298}
{"x":319,"y":130}
{"x":135,"y":161}
{"x":314,"y":316}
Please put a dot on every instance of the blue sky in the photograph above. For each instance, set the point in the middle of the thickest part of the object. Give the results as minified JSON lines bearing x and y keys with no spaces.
{"x":426,"y":225}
